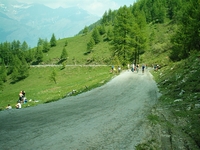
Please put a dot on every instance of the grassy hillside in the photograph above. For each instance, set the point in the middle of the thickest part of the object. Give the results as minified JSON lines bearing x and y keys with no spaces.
{"x":38,"y":85}
{"x":76,"y":49}
{"x":177,"y":113}
{"x":41,"y":89}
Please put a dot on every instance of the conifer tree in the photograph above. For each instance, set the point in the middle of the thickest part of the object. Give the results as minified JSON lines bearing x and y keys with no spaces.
{"x":53,"y":40}
{"x":40,"y":42}
{"x":90,"y":45}
{"x":29,"y":55}
{"x":64,"y":54}
{"x":53,"y":76}
{"x":173,"y":7}
{"x":3,"y":72}
{"x":46,"y":47}
{"x":85,"y":30}
{"x":24,"y":46}
{"x":96,"y":36}
{"x":123,"y":31}
{"x":14,"y":67}
{"x":14,"y":63}
{"x":5,"y":52}
{"x":66,"y":42}
{"x":187,"y":37}
{"x":104,"y":19}
{"x":139,"y":35}
{"x":110,"y":34}
{"x":23,"y":70}
{"x":102,"y":29}
{"x":14,"y":75}
{"x":39,"y":55}
{"x":110,"y":16}
{"x":15,"y":45}
{"x":19,"y":68}
{"x":1,"y":85}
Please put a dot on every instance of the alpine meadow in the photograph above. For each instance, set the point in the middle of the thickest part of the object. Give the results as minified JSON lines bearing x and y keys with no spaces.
{"x":151,"y":32}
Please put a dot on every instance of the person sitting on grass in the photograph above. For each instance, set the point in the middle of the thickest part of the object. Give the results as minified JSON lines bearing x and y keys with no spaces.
{"x":18,"y":105}
{"x":9,"y":107}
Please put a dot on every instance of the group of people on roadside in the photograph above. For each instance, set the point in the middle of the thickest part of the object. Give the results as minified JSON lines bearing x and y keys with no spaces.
{"x":22,"y":99}
{"x":133,"y":68}
{"x":114,"y":70}
{"x":136,"y":67}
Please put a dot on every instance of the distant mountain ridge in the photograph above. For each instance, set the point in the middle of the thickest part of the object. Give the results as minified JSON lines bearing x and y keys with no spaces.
{"x":29,"y":22}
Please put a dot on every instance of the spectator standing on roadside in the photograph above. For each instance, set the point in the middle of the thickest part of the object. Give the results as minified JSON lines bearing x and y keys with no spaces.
{"x":137,"y":67}
{"x":143,"y":68}
{"x":133,"y":68}
{"x":128,"y":66}
{"x":112,"y":69}
{"x":119,"y":69}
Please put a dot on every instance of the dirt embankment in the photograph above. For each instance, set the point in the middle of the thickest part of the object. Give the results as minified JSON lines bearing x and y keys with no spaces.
{"x":113,"y":116}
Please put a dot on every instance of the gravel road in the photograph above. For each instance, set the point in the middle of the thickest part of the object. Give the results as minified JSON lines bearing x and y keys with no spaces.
{"x":109,"y":117}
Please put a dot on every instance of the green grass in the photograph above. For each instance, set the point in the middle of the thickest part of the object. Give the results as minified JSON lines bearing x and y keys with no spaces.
{"x":76,"y":49}
{"x":154,"y":119}
{"x":38,"y":85}
{"x":180,"y":80}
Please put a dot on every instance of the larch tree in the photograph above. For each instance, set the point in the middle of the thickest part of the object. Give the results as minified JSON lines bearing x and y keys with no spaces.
{"x":66,"y":42}
{"x":64,"y":54}
{"x":39,"y":55}
{"x":24,"y":46}
{"x":3,"y":72}
{"x":90,"y":45}
{"x":122,"y":47}
{"x":53,"y":41}
{"x":53,"y":76}
{"x":46,"y":47}
{"x":96,"y":36}
{"x":85,"y":30}
{"x":187,"y":37}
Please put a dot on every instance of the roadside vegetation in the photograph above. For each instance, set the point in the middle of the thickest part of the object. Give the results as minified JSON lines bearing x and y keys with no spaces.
{"x":175,"y":118}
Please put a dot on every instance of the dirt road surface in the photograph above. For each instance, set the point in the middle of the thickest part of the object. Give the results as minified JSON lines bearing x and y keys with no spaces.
{"x":109,"y":117}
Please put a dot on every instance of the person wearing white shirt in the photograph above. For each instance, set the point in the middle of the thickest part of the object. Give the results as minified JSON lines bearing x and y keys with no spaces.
{"x":18,"y":105}
{"x":9,"y":107}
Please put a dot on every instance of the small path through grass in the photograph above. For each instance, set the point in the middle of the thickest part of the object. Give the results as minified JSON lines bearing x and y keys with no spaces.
{"x":69,"y":65}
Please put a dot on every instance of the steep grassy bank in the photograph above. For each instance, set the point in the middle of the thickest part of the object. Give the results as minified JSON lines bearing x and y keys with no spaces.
{"x":176,"y":117}
{"x":174,"y":121}
{"x":41,"y":89}
{"x":179,"y":84}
